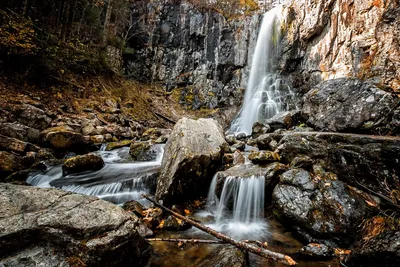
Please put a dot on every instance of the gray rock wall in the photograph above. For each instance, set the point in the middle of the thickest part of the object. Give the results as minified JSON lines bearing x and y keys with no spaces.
{"x":196,"y":53}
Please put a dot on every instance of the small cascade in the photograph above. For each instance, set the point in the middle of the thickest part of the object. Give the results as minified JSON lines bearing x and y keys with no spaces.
{"x":267,"y":93}
{"x":240,"y":210}
{"x":119,"y":181}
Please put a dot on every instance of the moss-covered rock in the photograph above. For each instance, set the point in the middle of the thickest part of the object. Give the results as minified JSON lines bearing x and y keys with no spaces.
{"x":62,"y":137}
{"x":119,"y":144}
{"x":88,"y":162}
{"x":260,"y":157}
{"x":141,"y":151}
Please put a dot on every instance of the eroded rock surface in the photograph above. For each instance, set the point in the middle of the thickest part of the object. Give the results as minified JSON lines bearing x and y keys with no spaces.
{"x":98,"y":233}
{"x":342,"y":38}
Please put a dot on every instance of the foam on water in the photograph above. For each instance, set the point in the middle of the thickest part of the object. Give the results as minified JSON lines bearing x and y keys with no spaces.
{"x":239,"y":212}
{"x":118,"y":181}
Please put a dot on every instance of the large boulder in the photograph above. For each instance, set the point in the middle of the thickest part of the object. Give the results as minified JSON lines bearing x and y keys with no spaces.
{"x":323,"y":207}
{"x":63,"y":137}
{"x":192,"y":155}
{"x":348,"y":105}
{"x":75,"y":228}
{"x":87,"y":162}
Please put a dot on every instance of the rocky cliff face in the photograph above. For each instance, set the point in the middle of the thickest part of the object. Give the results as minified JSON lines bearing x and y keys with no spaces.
{"x":329,"y":39}
{"x":197,"y":53}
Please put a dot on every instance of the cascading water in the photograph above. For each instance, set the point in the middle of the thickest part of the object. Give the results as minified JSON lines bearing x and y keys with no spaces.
{"x":240,"y":209}
{"x":267,"y":93}
{"x":119,"y":181}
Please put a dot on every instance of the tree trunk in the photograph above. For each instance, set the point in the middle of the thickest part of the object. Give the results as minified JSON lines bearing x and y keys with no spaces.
{"x":107,"y":21}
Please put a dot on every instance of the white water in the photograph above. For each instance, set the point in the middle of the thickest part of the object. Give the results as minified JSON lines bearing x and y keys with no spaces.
{"x":240,"y":210}
{"x":118,"y":181}
{"x":266,"y":92}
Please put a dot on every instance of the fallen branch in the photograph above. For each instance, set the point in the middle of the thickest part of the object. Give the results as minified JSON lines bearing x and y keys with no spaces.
{"x":271,"y":255}
{"x":163,"y":117}
{"x":256,"y":242}
{"x":191,"y":241}
{"x":386,"y":199}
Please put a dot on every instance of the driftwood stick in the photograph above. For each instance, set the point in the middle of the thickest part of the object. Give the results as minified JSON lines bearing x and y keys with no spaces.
{"x":271,"y":255}
{"x":164,"y":117}
{"x":185,"y":241}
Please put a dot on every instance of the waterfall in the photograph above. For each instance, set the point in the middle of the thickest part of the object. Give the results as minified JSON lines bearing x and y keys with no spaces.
{"x":240,"y":209}
{"x":266,"y":93}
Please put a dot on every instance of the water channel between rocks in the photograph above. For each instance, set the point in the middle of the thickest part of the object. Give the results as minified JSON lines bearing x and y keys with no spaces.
{"x":238,"y":212}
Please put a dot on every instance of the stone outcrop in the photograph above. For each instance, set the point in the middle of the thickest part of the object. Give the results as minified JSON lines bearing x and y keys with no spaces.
{"x":349,"y":105}
{"x":192,"y":155}
{"x":329,"y":39}
{"x":75,"y":228}
{"x":199,"y":55}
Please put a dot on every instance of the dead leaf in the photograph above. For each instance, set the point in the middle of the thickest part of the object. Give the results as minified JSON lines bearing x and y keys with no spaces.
{"x":370,"y":203}
{"x":339,"y":251}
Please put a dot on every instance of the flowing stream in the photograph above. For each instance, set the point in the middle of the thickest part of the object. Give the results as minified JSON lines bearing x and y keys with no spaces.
{"x":118,"y":181}
{"x":266,"y":93}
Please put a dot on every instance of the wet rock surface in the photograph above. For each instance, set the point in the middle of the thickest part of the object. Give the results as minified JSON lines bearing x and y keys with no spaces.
{"x":348,"y":105}
{"x":72,"y":226}
{"x":192,"y":155}
{"x":322,"y":206}
{"x":316,"y":251}
{"x":366,"y":159}
{"x":142,"y":151}
{"x":227,"y":256}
